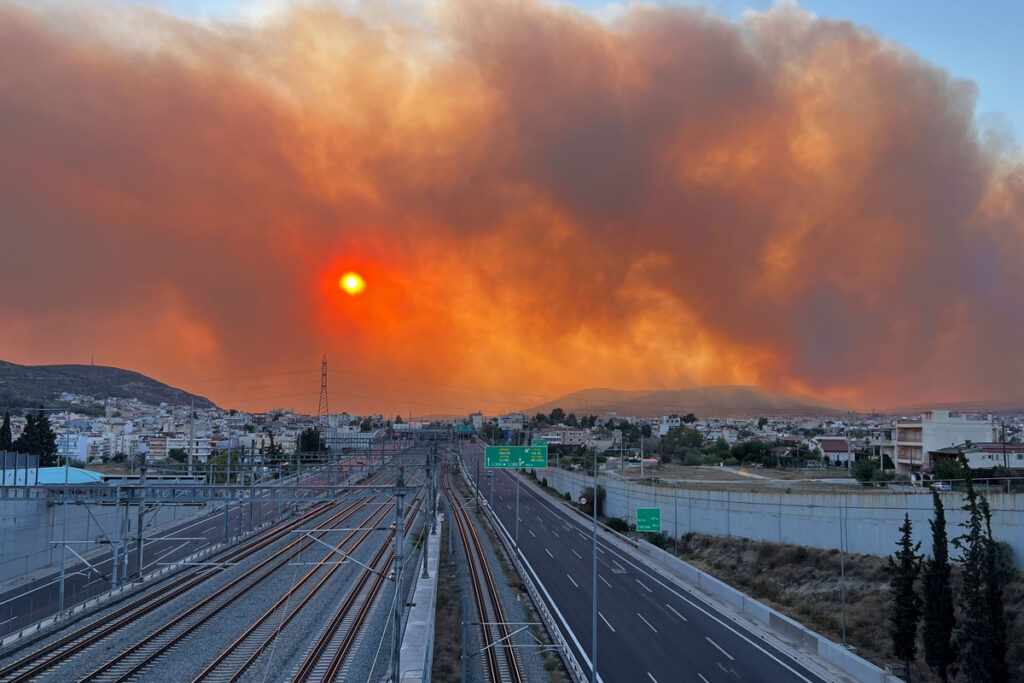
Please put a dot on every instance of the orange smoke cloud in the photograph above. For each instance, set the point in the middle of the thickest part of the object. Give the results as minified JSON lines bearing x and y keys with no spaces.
{"x":538,"y":202}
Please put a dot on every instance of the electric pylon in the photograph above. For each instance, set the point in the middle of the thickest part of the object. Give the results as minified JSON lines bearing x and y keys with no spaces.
{"x":322,"y":410}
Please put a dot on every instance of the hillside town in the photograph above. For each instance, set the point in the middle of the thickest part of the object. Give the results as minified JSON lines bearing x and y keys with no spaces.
{"x":901,"y":447}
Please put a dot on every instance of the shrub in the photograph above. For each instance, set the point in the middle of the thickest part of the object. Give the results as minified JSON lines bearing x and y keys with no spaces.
{"x":618,"y":524}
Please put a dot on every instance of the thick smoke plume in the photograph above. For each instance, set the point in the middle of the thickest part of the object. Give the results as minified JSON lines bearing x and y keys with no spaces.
{"x":538,"y":201}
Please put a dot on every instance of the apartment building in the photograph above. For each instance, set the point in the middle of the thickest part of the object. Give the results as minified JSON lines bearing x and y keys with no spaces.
{"x":565,"y":436}
{"x":910,"y":442}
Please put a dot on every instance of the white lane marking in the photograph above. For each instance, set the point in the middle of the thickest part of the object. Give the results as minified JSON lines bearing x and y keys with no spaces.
{"x":531,"y":533}
{"x":600,"y":550}
{"x":508,"y":506}
{"x":573,"y":582}
{"x":652,"y":677}
{"x":720,"y":648}
{"x":703,"y":679}
{"x":584,"y":536}
{"x":606,"y":622}
{"x":646,"y":622}
{"x":555,"y":533}
{"x":549,"y":553}
{"x":675,"y":612}
{"x":539,"y":519}
{"x":575,"y":553}
{"x":703,"y":609}
{"x":605,"y":580}
{"x":643,"y":586}
{"x":722,"y":667}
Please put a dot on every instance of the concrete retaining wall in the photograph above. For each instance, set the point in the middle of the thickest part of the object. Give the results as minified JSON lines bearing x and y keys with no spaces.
{"x":869,"y":521}
{"x":29,"y":528}
{"x":417,"y":655}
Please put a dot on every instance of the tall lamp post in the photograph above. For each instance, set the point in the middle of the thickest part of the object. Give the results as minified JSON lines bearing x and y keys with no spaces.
{"x":593,"y":644}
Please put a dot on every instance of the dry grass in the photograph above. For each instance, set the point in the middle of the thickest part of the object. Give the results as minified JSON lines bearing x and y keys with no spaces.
{"x":804,"y":584}
{"x":447,"y":664}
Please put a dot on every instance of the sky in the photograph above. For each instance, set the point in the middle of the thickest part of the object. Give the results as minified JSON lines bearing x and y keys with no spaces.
{"x":539,"y":198}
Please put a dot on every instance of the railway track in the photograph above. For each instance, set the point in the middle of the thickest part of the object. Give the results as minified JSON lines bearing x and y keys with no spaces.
{"x":63,"y":649}
{"x":502,"y":665}
{"x":327,"y":656}
{"x":244,"y":651}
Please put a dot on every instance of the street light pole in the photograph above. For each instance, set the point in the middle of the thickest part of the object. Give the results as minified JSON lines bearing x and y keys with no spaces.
{"x":593,"y":643}
{"x":64,"y":524}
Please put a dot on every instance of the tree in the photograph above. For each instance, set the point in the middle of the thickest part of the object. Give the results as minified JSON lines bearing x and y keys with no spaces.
{"x":398,"y":419}
{"x":178,"y":455}
{"x":904,"y":568}
{"x":981,"y":638}
{"x":38,"y":439}
{"x":689,"y":418}
{"x":937,"y":602}
{"x":571,"y":421}
{"x":310,"y":441}
{"x":864,"y":470}
{"x":557,"y":416}
{"x":366,"y":425}
{"x":588,"y":494}
{"x":994,"y":579}
{"x":5,"y":432}
{"x":761,"y":422}
{"x":947,"y":468}
{"x":680,"y":439}
{"x":645,"y":430}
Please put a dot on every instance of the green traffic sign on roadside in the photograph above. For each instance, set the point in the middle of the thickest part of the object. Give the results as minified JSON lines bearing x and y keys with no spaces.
{"x":516,"y":456}
{"x":648,"y":519}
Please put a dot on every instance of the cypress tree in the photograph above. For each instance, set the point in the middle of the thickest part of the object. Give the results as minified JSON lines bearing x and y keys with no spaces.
{"x":5,"y":432}
{"x":38,"y":439}
{"x":47,"y":441}
{"x":904,"y":569}
{"x":26,"y":442}
{"x":994,"y":577}
{"x":937,"y":590}
{"x":974,"y":635}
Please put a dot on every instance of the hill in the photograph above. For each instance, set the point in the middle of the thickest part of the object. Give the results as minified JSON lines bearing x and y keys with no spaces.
{"x":718,"y":401}
{"x":28,"y":386}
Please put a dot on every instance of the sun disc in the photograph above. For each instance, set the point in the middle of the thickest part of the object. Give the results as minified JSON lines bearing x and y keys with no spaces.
{"x":352,"y":283}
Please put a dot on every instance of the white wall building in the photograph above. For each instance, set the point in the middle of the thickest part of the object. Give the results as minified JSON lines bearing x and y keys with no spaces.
{"x":910,"y":441}
{"x":669,"y":422}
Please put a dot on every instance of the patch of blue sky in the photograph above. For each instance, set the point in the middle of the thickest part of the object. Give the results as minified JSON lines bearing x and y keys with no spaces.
{"x":977,"y":41}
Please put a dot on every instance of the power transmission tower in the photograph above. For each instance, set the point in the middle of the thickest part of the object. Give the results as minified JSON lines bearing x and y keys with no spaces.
{"x":322,"y":410}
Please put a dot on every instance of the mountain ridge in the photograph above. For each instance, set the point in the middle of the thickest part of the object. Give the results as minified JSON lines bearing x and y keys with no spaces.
{"x":28,"y":386}
{"x":709,"y":401}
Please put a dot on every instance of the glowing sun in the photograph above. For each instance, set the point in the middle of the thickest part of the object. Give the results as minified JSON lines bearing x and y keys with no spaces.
{"x":352,"y":283}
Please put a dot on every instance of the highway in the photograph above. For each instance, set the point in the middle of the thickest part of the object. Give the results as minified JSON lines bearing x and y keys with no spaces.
{"x":648,"y":628}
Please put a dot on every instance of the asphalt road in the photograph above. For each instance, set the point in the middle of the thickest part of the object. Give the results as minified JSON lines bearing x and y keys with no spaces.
{"x":648,"y":628}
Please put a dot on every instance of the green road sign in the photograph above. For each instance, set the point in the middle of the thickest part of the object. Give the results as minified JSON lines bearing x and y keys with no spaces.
{"x":516,"y":456}
{"x":648,"y":519}
{"x":463,"y":429}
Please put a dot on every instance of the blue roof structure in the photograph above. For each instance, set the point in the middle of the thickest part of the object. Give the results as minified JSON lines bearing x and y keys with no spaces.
{"x":50,"y":475}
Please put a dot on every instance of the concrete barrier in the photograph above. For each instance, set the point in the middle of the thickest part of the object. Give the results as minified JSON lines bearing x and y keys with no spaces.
{"x":417,"y":654}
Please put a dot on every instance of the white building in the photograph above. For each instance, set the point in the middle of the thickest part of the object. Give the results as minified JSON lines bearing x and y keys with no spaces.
{"x":669,"y":422}
{"x":909,"y":442}
{"x":514,"y":422}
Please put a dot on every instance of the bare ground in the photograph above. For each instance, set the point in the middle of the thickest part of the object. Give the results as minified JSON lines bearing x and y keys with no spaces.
{"x":804,"y":584}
